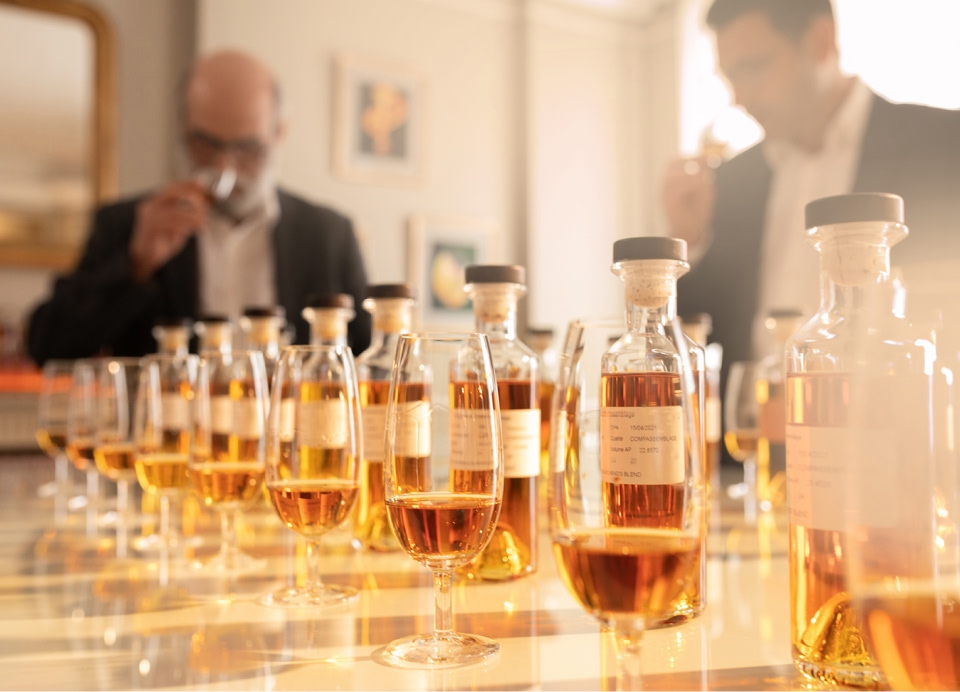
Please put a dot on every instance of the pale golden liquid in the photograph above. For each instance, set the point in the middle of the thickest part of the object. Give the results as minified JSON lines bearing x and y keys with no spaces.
{"x":305,"y":462}
{"x":162,"y":472}
{"x":52,"y":442}
{"x":512,"y":550}
{"x":80,"y":452}
{"x":226,"y":484}
{"x":313,"y":507}
{"x":617,"y":572}
{"x":115,"y":461}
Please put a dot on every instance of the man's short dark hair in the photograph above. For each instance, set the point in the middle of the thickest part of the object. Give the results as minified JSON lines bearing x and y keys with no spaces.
{"x":792,"y":18}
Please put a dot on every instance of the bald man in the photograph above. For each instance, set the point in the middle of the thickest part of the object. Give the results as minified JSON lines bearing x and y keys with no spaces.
{"x":221,"y":238}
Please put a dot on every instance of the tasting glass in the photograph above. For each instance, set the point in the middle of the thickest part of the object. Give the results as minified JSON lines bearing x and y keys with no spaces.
{"x":55,"y":383}
{"x":81,"y":431}
{"x":113,"y":441}
{"x":313,"y":457}
{"x":741,"y":423}
{"x":443,"y":477}
{"x":227,"y":457}
{"x":628,"y":562}
{"x":163,"y":428}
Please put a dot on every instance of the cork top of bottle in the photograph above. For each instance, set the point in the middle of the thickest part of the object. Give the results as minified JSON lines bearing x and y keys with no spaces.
{"x":856,"y":207}
{"x":211,"y":319}
{"x":495,"y":274}
{"x":260,"y":311}
{"x":392,"y":291}
{"x":649,"y":248}
{"x":330,"y":300}
{"x":173,"y":322}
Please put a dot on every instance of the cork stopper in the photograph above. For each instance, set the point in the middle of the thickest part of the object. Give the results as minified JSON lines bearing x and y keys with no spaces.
{"x":172,"y":334}
{"x":650,"y":267}
{"x":495,"y":290}
{"x":391,"y":306}
{"x":215,"y":332}
{"x":854,"y":234}
{"x":262,"y":324}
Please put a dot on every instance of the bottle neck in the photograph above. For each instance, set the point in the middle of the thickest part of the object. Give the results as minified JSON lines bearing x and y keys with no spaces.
{"x":650,"y":316}
{"x":851,"y":278}
{"x":265,"y":338}
{"x":387,"y":326}
{"x":495,"y":309}
{"x":496,"y":318}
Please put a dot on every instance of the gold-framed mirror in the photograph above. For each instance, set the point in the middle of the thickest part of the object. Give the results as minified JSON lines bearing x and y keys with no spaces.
{"x":58,"y":155}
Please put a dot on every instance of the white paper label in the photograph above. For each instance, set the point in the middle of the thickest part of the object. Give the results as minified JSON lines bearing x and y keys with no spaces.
{"x":413,"y":430}
{"x":471,"y":440}
{"x":558,"y":442}
{"x":642,"y":445}
{"x":521,"y":442}
{"x":713,"y":427}
{"x":247,"y":419}
{"x":824,"y":467}
{"x":374,"y":423}
{"x":323,"y":424}
{"x":221,"y":415}
{"x":175,"y":411}
{"x":288,"y":414}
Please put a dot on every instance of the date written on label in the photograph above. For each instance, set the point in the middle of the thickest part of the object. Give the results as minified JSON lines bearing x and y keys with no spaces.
{"x":642,"y":444}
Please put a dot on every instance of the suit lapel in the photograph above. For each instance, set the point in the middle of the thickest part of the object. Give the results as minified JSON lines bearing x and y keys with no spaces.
{"x":287,"y":269}
{"x":181,"y":282}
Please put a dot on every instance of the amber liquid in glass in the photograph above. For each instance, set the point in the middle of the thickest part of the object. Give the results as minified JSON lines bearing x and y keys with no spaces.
{"x":320,"y":454}
{"x":226,"y":484}
{"x":52,"y":442}
{"x":115,"y":461}
{"x":313,"y":507}
{"x":512,"y":551}
{"x":80,"y":452}
{"x":442,"y":530}
{"x":617,"y":572}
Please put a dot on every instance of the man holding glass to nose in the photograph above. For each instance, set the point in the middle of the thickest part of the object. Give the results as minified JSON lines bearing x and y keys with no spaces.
{"x":221,"y":238}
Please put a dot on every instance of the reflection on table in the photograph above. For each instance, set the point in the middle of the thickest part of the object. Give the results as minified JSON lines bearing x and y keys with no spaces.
{"x":75,"y":616}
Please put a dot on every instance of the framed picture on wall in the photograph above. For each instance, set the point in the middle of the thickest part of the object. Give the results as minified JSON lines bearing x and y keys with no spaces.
{"x":378,"y":123}
{"x":439,"y":248}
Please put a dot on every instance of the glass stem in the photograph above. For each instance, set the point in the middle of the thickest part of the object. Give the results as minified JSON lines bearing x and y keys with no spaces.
{"x":164,"y":518}
{"x":750,"y":499}
{"x":61,"y":468}
{"x":123,"y":495}
{"x":313,"y":565}
{"x":93,"y":491}
{"x":443,"y":603}
{"x":228,"y":537}
{"x":629,"y":640}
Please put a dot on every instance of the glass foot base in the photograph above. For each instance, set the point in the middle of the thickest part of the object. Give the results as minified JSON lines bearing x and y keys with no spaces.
{"x":310,"y":597}
{"x":230,"y":562}
{"x":439,"y":651}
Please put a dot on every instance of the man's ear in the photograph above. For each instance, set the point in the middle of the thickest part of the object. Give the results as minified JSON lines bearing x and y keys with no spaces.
{"x":820,"y":39}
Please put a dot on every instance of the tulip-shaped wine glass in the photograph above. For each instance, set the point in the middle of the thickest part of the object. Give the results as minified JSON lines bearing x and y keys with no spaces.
{"x":228,"y":452}
{"x":741,"y":422}
{"x":81,"y":430}
{"x":163,"y":428}
{"x":55,"y":383}
{"x":313,"y":457}
{"x":629,"y":564}
{"x":443,"y":477}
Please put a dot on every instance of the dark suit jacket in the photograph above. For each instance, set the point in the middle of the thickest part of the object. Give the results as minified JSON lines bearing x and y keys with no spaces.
{"x":913,"y":151}
{"x":99,"y":308}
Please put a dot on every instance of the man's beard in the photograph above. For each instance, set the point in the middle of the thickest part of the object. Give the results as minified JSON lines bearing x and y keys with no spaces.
{"x":248,"y":195}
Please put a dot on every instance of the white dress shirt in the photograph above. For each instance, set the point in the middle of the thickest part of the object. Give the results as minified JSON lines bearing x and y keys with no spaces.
{"x":237,"y":261}
{"x":790,"y":269}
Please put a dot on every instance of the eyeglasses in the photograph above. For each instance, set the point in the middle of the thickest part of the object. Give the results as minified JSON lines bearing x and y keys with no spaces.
{"x":204,"y":148}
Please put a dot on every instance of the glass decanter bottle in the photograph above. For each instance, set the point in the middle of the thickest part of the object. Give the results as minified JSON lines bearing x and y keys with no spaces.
{"x":391,"y":307}
{"x":541,"y":341}
{"x":699,"y":327}
{"x":261,"y":327}
{"x":512,"y":551}
{"x":781,"y":324}
{"x":215,"y":333}
{"x":172,"y":335}
{"x":328,"y":316}
{"x":651,"y":408}
{"x":859,"y":383}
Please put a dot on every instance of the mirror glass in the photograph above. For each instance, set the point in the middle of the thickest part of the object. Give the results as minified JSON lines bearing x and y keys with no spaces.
{"x":48,"y":176}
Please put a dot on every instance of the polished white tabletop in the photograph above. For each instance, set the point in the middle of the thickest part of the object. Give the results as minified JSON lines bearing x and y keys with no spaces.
{"x":75,"y":615}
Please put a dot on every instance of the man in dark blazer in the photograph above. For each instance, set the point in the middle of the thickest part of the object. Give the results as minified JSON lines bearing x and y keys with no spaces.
{"x":195,"y":246}
{"x":780,"y":59}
